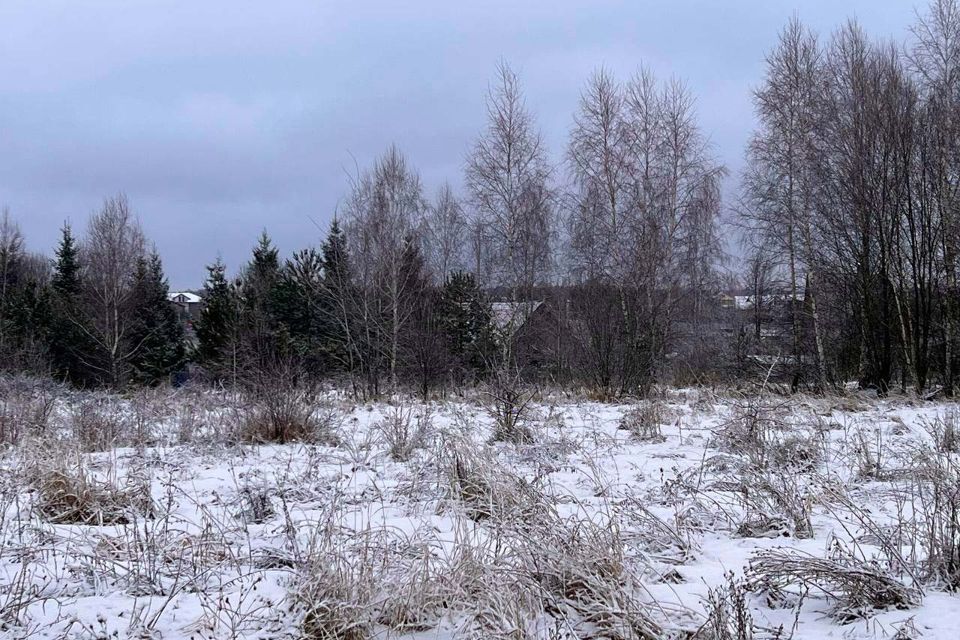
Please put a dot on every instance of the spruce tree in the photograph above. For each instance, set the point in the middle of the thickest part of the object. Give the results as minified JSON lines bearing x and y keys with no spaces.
{"x":23,"y":302}
{"x":264,"y":339}
{"x":423,"y":346}
{"x":337,"y":303}
{"x":68,"y":342}
{"x":336,"y":256}
{"x":465,"y":319}
{"x":299,"y":308}
{"x":157,"y":336}
{"x":217,"y":326}
{"x":29,"y":317}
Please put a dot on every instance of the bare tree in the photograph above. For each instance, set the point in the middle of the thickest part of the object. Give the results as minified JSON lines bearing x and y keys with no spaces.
{"x":935,"y":57}
{"x":385,"y":209}
{"x":601,"y":163}
{"x":643,"y":221}
{"x":605,"y":230}
{"x":779,"y":184}
{"x":445,"y":234}
{"x":507,"y":177}
{"x":113,"y":245}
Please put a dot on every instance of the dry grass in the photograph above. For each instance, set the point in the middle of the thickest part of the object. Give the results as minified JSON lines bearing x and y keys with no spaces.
{"x":644,"y":421}
{"x":855,"y":588}
{"x":98,"y":424}
{"x":26,"y":408}
{"x":487,"y":490}
{"x":71,"y":494}
{"x":728,"y":613}
{"x":566,"y":536}
{"x":404,"y":432}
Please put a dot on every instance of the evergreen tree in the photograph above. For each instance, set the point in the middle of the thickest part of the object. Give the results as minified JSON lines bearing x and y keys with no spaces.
{"x":423,"y":346}
{"x":264,"y":340}
{"x":157,"y":335}
{"x":298,"y":308}
{"x":217,"y":326}
{"x":465,"y":320}
{"x":337,"y":302}
{"x":23,"y":302}
{"x":67,"y":339}
{"x":29,"y":317}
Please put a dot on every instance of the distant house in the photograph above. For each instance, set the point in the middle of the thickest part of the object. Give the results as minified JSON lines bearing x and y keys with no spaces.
{"x":776,"y":299}
{"x":509,"y":317}
{"x":188,"y":305}
{"x":536,"y":330}
{"x":727,"y":301}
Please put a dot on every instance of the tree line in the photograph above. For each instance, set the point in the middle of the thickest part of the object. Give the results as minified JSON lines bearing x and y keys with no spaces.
{"x":848,"y":210}
{"x":850,"y":198}
{"x":97,"y":314}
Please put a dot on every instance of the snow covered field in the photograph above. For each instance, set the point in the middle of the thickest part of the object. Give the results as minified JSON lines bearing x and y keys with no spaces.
{"x":697,"y":515}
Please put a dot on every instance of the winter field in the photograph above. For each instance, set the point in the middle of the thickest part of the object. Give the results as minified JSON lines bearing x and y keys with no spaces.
{"x":698,"y":514}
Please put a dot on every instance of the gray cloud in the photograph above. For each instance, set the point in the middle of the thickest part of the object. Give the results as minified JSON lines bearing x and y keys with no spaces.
{"x":219,"y":118}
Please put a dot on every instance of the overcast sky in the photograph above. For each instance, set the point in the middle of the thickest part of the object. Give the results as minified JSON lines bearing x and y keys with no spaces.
{"x":219,"y":118}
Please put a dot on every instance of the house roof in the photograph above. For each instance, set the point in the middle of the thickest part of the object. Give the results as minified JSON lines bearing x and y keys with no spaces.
{"x":748,"y":302}
{"x":184,"y":296}
{"x":507,"y":317}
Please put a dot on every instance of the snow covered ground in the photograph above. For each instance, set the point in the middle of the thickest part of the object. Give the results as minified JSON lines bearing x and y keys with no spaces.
{"x":708,"y":516}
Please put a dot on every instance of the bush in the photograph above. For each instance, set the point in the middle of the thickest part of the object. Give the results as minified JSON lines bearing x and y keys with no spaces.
{"x":284,"y":415}
{"x":97,"y":424}
{"x":751,"y":430}
{"x":26,"y":407}
{"x":510,"y":406}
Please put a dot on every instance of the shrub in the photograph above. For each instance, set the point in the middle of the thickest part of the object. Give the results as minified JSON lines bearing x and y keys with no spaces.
{"x":287,"y":415}
{"x":751,"y":430}
{"x":97,"y":424}
{"x":510,"y":406}
{"x":26,"y":407}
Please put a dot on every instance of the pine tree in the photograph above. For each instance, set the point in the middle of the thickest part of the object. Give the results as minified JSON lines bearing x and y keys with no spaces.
{"x":68,"y":342}
{"x":157,"y":335}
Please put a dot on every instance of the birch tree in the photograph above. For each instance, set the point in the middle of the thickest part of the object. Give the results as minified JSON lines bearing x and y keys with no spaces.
{"x":384,"y":212}
{"x":507,"y":176}
{"x":113,"y":245}
{"x":779,"y":184}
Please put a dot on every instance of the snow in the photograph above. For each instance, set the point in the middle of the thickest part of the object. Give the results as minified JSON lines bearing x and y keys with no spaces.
{"x":202,"y":566}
